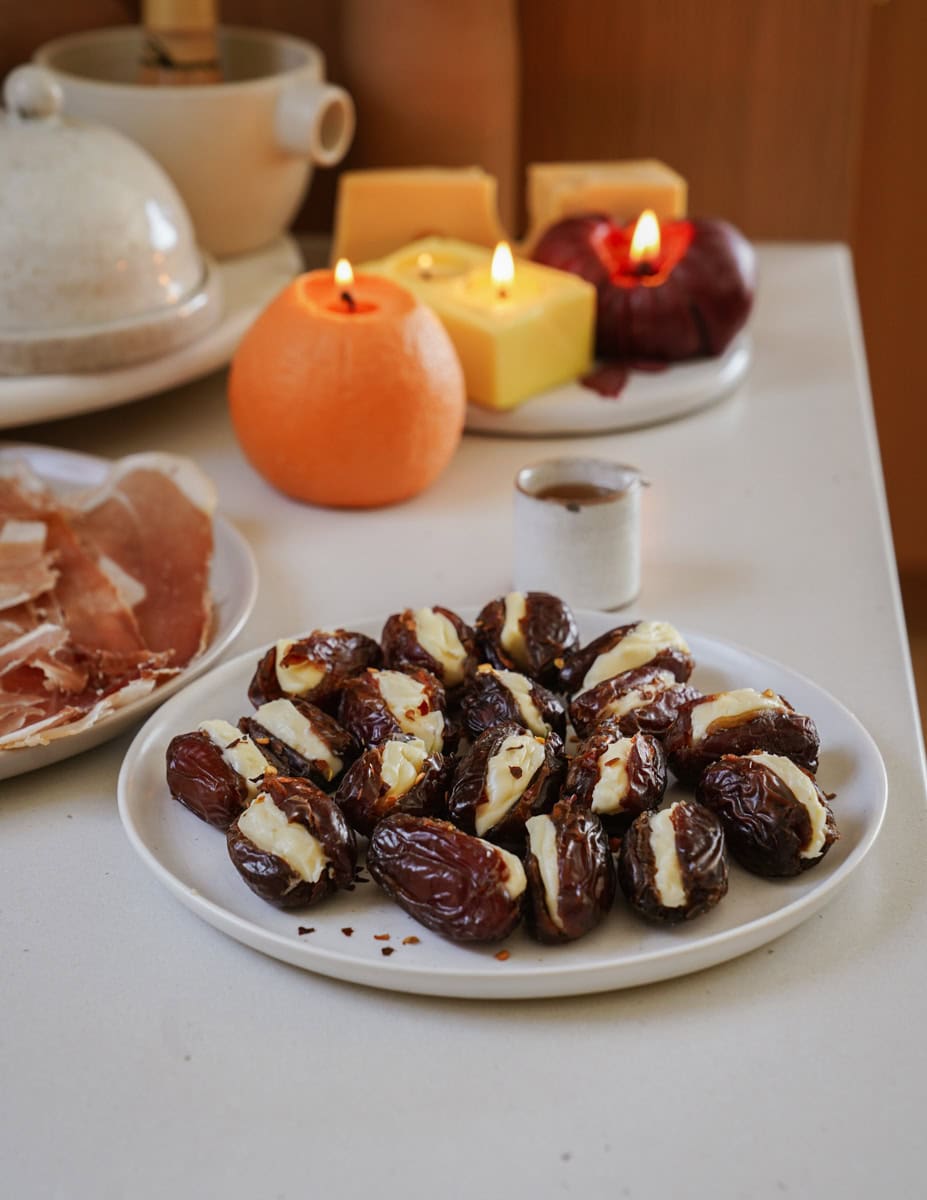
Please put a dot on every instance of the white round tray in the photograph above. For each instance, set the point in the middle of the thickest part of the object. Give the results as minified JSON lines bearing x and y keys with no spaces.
{"x":648,"y":398}
{"x":248,"y":283}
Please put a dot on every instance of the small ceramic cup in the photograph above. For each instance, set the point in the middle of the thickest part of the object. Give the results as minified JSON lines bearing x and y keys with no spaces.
{"x":577,"y":531}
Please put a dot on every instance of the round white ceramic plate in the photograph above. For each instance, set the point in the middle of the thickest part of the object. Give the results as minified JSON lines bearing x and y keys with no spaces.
{"x":233,"y":580}
{"x":648,"y":398}
{"x":190,"y":859}
{"x":248,"y":283}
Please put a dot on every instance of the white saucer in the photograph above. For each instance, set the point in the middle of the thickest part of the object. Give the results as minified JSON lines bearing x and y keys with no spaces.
{"x":233,"y":581}
{"x":248,"y":283}
{"x":648,"y":398}
{"x":190,"y":859}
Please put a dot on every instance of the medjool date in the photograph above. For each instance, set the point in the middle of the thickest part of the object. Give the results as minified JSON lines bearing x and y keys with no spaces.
{"x":776,"y":819}
{"x":292,"y":845}
{"x":434,"y":639}
{"x":737,"y":722}
{"x":528,"y":632}
{"x":460,"y":886}
{"x":671,"y":866}
{"x":508,"y":775}
{"x":570,"y":871}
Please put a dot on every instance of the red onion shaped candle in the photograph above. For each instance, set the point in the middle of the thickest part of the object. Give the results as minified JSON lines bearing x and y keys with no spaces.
{"x":665,"y":292}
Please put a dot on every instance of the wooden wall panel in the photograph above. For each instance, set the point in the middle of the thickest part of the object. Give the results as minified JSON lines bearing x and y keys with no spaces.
{"x":891,"y":266}
{"x":758,"y":104}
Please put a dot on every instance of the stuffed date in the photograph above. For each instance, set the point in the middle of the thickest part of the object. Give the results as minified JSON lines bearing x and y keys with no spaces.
{"x":671,"y":865}
{"x":508,"y":775}
{"x":735,"y":723}
{"x":313,"y":668}
{"x":434,"y":639}
{"x":292,"y":844}
{"x":617,"y":777}
{"x":462,"y":887}
{"x":646,"y":700}
{"x":214,"y":771}
{"x":776,"y":819}
{"x":398,"y":775}
{"x":528,"y":632}
{"x":378,"y":704}
{"x":496,"y":695}
{"x":570,"y":872}
{"x":301,"y":740}
{"x":614,"y":654}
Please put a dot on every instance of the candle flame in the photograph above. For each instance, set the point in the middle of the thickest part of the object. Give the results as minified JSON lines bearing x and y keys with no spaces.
{"x":503,"y":268}
{"x":344,"y":276}
{"x":645,"y":241}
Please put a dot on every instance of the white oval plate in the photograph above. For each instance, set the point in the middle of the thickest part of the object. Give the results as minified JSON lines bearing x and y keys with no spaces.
{"x":190,"y":859}
{"x":233,"y":580}
{"x":648,"y":398}
{"x":248,"y":283}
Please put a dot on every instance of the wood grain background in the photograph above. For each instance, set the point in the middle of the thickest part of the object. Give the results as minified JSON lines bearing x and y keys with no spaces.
{"x":796,"y":119}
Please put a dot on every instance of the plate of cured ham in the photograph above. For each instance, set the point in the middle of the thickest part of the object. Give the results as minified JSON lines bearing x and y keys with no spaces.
{"x":118,"y":585}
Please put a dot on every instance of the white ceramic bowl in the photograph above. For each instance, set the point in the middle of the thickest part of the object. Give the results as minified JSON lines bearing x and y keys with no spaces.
{"x":241,"y":153}
{"x":99,"y":266}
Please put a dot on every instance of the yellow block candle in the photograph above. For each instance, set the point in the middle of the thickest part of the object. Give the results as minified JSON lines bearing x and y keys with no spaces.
{"x":621,"y":189}
{"x":519,"y":328}
{"x":379,"y":211}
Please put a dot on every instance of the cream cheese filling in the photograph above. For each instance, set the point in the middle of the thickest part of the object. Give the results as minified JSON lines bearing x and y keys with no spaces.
{"x":639,"y":646}
{"x":804,"y":792}
{"x":437,"y":635}
{"x":283,"y":720}
{"x":241,"y":754}
{"x":668,"y":885}
{"x":542,"y":843}
{"x":400,"y":765}
{"x":508,"y":773}
{"x":612,"y":786}
{"x":727,"y":705}
{"x":520,"y":687}
{"x":512,"y":638}
{"x":517,"y":881}
{"x":298,"y":679}
{"x":405,"y":698}
{"x":264,"y":824}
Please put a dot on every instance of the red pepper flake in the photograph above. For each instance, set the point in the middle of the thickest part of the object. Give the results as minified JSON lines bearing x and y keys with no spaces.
{"x":503,"y":955}
{"x":305,"y":929}
{"x":386,"y":951}
{"x":347,"y":931}
{"x":411,"y":940}
{"x":381,"y":937}
{"x":517,"y":772}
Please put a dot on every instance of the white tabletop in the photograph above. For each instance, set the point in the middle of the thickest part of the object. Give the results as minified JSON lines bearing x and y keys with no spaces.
{"x":143,"y":1054}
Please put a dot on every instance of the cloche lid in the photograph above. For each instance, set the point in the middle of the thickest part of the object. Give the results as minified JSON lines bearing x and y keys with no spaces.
{"x":93,"y":234}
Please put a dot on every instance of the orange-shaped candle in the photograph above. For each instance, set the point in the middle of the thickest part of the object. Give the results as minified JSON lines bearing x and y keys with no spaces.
{"x":347,"y":391}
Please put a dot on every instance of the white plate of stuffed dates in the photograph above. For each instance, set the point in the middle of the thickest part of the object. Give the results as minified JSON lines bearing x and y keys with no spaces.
{"x":511,"y":803}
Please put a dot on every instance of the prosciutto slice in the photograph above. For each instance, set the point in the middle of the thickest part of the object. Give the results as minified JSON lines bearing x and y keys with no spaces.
{"x":102,"y":596}
{"x":149,"y":529}
{"x":25,"y":564}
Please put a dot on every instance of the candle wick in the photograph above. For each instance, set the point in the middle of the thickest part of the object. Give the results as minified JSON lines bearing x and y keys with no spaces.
{"x":349,"y":300}
{"x":503,"y":293}
{"x":645,"y":267}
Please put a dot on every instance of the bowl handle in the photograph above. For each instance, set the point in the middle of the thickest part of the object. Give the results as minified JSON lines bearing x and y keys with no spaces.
{"x":316,"y":121}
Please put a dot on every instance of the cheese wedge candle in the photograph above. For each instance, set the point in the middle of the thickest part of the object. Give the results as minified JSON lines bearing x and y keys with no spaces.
{"x":621,"y":190}
{"x":378,"y":212}
{"x":518,"y":328}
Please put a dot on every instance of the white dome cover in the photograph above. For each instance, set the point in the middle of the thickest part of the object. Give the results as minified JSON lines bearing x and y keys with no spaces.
{"x":93,"y":235}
